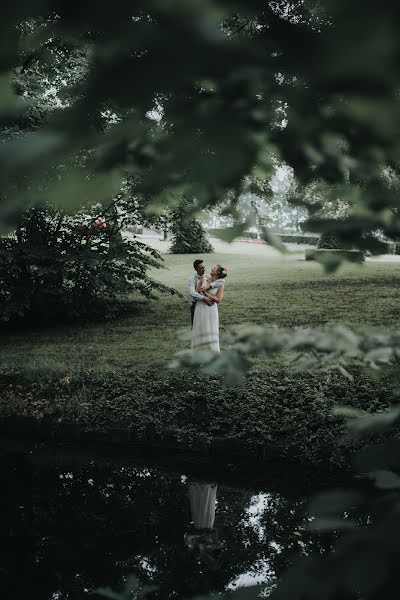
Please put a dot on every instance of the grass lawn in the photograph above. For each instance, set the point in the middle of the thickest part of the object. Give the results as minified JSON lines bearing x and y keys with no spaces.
{"x":262,"y":287}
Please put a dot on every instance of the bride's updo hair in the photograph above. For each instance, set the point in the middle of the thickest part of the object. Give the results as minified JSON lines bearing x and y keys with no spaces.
{"x":223,"y":272}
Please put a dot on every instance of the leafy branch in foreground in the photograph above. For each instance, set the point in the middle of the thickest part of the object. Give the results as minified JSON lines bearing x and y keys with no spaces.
{"x":312,"y":83}
{"x":132,"y":590}
{"x":331,"y":347}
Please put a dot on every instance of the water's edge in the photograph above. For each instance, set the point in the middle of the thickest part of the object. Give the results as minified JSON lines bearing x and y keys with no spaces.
{"x":41,"y":430}
{"x":72,"y":443}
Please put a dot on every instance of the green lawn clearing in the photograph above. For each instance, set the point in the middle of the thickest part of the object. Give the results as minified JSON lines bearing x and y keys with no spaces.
{"x":262,"y":287}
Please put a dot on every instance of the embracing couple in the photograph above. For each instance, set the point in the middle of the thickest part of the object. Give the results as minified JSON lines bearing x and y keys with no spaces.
{"x":206,"y":292}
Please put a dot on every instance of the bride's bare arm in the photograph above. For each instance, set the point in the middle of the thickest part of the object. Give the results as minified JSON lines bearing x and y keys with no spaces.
{"x":218,"y":297}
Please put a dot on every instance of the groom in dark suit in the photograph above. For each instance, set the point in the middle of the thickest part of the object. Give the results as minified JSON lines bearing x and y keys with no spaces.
{"x":200,"y":269}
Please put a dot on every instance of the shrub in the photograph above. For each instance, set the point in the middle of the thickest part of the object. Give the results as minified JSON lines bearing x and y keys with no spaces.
{"x":188,"y":235}
{"x":55,"y":268}
{"x":324,"y":254}
{"x":250,"y":235}
{"x":299,"y":238}
{"x":392,"y":247}
{"x":287,"y":238}
{"x":330,"y":240}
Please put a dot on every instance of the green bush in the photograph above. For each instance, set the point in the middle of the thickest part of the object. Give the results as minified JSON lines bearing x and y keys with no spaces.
{"x":188,"y":235}
{"x":287,"y":238}
{"x":335,"y":241}
{"x":324,"y":254}
{"x":392,"y":247}
{"x":330,"y":240}
{"x":55,"y":268}
{"x":299,"y":238}
{"x":250,"y":235}
{"x":274,"y":413}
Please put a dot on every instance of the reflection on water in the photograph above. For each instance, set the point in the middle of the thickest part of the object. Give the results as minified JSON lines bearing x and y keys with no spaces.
{"x":203,"y":539}
{"x":70,"y":528}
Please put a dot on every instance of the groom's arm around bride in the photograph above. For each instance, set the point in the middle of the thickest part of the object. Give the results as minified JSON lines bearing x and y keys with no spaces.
{"x":196,"y":296}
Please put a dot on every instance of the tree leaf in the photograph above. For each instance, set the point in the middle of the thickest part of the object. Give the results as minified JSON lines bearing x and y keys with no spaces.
{"x":273,"y":240}
{"x":374,"y":423}
{"x":345,"y":373}
{"x":347,"y":411}
{"x":325,"y":524}
{"x":334,"y":502}
{"x":385,"y":480}
{"x":228,"y":234}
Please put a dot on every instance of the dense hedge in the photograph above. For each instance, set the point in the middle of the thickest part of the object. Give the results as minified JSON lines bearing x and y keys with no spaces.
{"x":251,"y":235}
{"x":331,"y":240}
{"x":275,"y":413}
{"x":299,"y":238}
{"x":288,"y":238}
{"x":323,"y":254}
{"x":392,"y":247}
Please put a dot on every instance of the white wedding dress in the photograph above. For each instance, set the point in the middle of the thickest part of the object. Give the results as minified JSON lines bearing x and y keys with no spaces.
{"x":203,"y":498}
{"x":205,"y":332}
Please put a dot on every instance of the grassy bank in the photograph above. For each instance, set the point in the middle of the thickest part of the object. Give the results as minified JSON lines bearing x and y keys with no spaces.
{"x":274,"y":414}
{"x":110,"y":374}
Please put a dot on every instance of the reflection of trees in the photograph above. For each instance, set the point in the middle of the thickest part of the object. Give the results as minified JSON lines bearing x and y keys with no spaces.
{"x":93,"y":526}
{"x":17,"y":532}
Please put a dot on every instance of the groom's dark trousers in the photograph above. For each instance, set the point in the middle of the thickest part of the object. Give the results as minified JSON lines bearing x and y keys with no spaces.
{"x":192,"y":309}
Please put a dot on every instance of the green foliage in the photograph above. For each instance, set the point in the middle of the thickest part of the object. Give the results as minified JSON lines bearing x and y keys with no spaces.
{"x":300,"y":238}
{"x":188,"y":235}
{"x":132,"y":590}
{"x":329,"y":240}
{"x":250,"y":235}
{"x":392,"y":247}
{"x":53,"y":267}
{"x":273,"y":413}
{"x":331,"y":258}
{"x":227,"y":106}
{"x":333,"y":347}
{"x":329,"y":70}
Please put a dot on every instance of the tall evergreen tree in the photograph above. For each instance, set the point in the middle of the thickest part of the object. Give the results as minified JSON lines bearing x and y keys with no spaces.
{"x":188,"y":235}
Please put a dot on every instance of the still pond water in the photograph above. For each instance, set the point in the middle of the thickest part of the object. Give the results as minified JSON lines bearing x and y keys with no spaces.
{"x":74,"y":519}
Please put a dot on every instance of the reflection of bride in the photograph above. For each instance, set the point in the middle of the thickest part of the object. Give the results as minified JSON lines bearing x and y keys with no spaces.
{"x":202,"y":497}
{"x":204,"y":537}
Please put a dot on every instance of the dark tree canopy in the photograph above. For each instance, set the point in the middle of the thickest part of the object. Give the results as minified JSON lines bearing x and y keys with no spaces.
{"x":222,"y":78}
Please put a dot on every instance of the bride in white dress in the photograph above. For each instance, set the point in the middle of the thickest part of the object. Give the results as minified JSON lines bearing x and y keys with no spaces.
{"x":205,"y":332}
